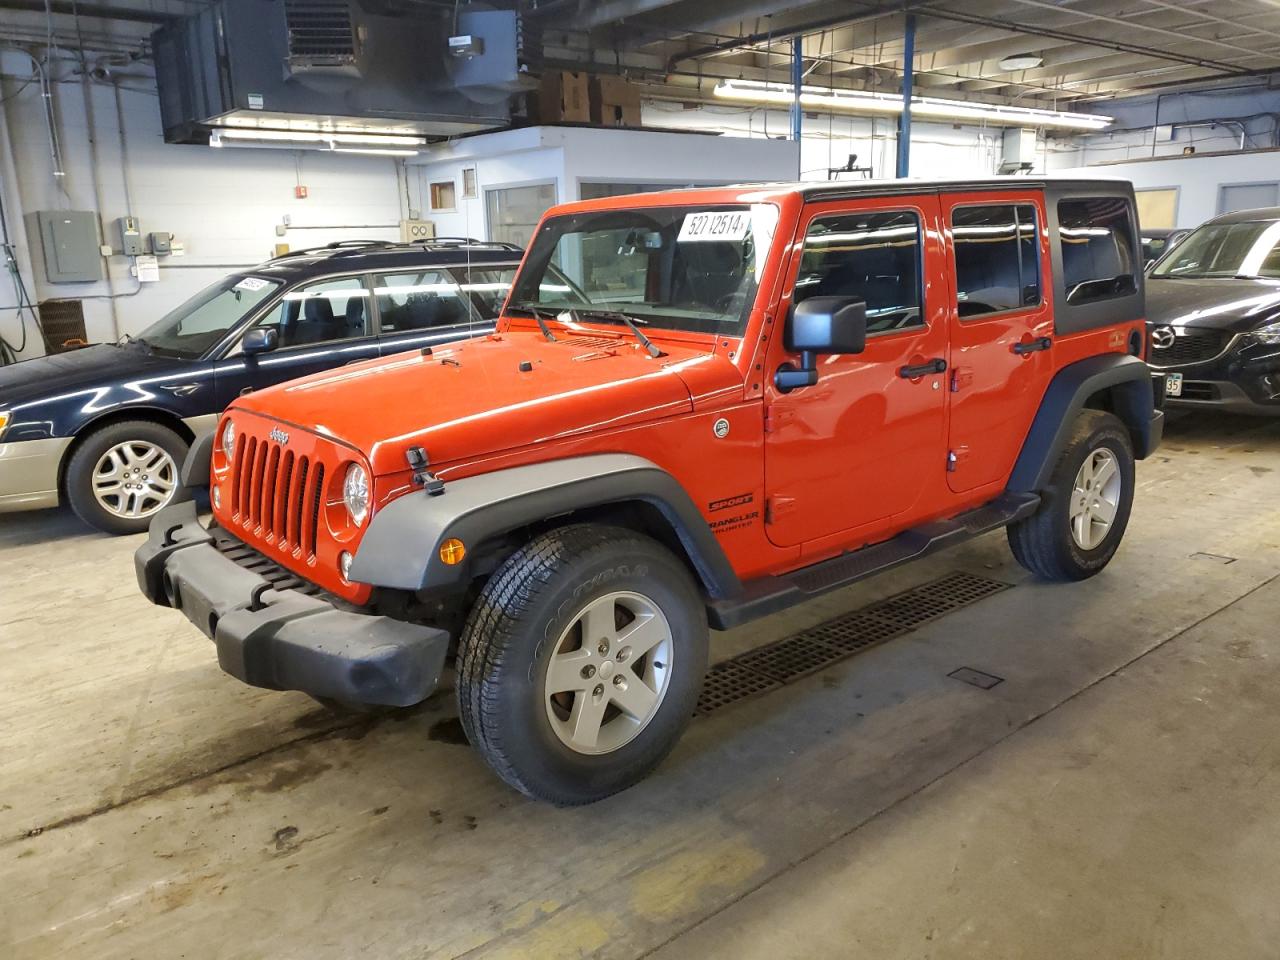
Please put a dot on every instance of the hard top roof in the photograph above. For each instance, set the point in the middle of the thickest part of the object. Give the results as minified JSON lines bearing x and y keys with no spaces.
{"x":359,"y":255}
{"x":1246,"y":216}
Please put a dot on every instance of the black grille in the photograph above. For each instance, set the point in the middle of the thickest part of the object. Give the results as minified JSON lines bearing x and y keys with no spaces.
{"x":245,"y":556}
{"x":1199,"y":390}
{"x":774,"y":664}
{"x":62,"y":322}
{"x":1190,"y":348}
{"x":320,"y":31}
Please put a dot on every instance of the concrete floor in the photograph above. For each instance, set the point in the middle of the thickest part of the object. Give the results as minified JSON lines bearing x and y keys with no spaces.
{"x":1118,"y":795}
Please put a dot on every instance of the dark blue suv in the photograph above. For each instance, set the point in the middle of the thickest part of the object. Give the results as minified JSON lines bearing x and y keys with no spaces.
{"x":106,"y":428}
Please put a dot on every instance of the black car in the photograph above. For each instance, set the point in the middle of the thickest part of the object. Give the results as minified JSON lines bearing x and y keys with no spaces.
{"x":1158,"y":241}
{"x":1213,"y":314}
{"x":105,"y":428}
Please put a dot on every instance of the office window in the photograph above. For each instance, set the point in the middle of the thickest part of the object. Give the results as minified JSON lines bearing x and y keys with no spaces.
{"x":1157,"y":209}
{"x":443,"y":196}
{"x":875,"y":257}
{"x":1247,"y":196}
{"x":997,"y":258}
{"x":514,"y":212}
{"x":469,"y":188}
{"x":1098,"y":259}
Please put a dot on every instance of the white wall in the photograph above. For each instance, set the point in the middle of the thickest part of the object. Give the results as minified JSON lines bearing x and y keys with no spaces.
{"x":223,"y":204}
{"x":937,"y":149}
{"x":1197,"y":178}
{"x":567,"y":156}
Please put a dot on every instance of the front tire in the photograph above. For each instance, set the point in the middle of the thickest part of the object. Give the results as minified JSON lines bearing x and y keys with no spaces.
{"x":581,"y":662}
{"x":1085,"y":508}
{"x":122,"y":475}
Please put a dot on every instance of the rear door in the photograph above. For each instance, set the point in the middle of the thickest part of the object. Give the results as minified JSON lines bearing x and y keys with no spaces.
{"x":1001,"y":323}
{"x":859,"y":449}
{"x":321,"y":325}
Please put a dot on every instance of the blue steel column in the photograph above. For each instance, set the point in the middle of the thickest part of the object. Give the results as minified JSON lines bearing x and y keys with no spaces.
{"x":797,"y":79}
{"x":904,"y":121}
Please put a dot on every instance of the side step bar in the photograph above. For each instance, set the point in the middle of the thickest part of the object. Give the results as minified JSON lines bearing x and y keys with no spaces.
{"x":770,"y":594}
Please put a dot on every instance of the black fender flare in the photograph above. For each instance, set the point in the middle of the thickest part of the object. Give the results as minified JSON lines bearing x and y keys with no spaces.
{"x":199,"y":462}
{"x":1125,"y":378}
{"x":401,"y":547}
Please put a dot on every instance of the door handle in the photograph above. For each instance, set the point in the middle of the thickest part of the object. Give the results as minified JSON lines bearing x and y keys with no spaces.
{"x":1040,"y":343}
{"x":936,"y":365}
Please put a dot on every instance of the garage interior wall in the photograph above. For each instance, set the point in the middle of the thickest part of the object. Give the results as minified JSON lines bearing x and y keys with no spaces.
{"x":223,"y":204}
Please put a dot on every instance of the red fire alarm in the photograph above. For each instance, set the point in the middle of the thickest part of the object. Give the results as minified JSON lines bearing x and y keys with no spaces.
{"x":300,"y":192}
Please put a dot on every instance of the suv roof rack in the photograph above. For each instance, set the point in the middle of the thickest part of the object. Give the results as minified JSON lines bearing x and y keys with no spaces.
{"x":347,"y":248}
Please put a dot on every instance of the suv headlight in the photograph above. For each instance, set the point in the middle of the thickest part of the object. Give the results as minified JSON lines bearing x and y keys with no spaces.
{"x":1270,"y":334}
{"x":229,"y":439}
{"x":355,"y":493}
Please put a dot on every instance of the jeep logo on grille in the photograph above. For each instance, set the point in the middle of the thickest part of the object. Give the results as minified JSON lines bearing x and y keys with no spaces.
{"x":278,"y":435}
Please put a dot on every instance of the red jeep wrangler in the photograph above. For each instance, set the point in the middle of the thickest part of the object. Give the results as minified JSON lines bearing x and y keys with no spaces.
{"x":698,"y":407}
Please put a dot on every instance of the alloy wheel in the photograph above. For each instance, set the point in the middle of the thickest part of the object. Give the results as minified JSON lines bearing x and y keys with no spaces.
{"x":135,"y":479}
{"x":1095,"y":498}
{"x":608,"y":673}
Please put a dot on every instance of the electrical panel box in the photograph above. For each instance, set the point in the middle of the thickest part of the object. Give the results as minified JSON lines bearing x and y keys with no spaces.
{"x":130,"y":237}
{"x":69,"y":242}
{"x":411,"y":230}
{"x":160,"y":243}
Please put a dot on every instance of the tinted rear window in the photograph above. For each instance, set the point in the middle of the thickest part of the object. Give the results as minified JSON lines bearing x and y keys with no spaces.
{"x":1098,"y":259}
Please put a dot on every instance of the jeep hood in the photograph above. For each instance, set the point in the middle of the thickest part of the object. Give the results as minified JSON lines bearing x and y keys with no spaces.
{"x":482,"y":396}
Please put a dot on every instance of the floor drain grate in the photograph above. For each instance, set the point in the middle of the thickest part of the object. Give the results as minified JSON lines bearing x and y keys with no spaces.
{"x":768,"y":667}
{"x":975,"y":678}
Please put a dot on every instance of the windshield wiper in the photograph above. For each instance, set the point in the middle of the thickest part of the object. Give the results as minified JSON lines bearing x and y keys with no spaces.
{"x":613,"y":315}
{"x":541,"y":314}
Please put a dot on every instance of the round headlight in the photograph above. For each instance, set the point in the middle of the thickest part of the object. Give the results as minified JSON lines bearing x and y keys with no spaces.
{"x":355,"y":493}
{"x":229,"y":439}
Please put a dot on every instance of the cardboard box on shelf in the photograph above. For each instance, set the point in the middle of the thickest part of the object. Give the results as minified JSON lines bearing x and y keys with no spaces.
{"x":563,"y":97}
{"x":615,"y":102}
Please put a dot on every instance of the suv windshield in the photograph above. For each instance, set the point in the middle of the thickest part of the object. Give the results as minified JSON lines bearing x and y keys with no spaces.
{"x":1248,"y":249}
{"x":190,"y":330}
{"x":689,"y":268}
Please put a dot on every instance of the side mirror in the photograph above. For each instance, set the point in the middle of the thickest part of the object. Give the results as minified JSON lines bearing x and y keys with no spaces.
{"x":260,"y":340}
{"x":821,"y":325}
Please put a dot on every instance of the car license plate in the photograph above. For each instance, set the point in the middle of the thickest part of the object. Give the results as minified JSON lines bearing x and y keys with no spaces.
{"x":1173,"y":384}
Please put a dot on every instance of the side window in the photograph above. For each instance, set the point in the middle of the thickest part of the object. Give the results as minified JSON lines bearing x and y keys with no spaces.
{"x":321,"y":312}
{"x":1098,"y":259}
{"x":419,"y":300}
{"x":488,"y":287}
{"x":871,"y":256}
{"x":997,"y":258}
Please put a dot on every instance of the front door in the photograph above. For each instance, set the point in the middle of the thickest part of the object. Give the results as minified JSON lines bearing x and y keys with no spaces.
{"x":854,"y":454}
{"x":1001,"y":330}
{"x":320,"y":325}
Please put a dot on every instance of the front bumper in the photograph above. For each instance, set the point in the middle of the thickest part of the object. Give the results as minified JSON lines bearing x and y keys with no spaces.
{"x":1244,"y":378}
{"x":272,"y":635}
{"x":29,"y":473}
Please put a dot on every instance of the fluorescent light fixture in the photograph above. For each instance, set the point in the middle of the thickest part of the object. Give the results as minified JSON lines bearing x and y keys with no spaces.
{"x":1022,"y":61}
{"x":377,"y":151}
{"x":868,"y":102}
{"x":334,"y":138}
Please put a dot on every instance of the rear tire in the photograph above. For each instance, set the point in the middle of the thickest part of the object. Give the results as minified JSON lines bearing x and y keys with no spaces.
{"x":122,"y":474}
{"x":581,"y":663}
{"x":1085,"y":508}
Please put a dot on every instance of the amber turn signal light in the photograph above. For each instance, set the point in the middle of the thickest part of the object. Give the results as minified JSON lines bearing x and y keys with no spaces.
{"x":452,"y":551}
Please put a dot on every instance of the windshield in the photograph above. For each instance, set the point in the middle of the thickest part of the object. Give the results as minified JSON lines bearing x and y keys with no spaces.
{"x":676,"y":268}
{"x":1249,"y":249}
{"x":191,"y":329}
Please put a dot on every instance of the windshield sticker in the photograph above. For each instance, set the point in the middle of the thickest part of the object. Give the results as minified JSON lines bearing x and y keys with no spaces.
{"x":722,"y":226}
{"x":252,"y":284}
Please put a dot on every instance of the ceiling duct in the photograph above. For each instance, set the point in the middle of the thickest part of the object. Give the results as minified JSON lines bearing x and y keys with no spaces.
{"x":336,"y":67}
